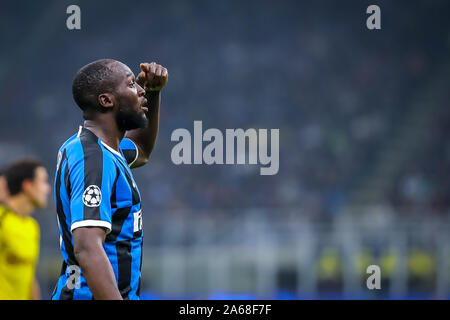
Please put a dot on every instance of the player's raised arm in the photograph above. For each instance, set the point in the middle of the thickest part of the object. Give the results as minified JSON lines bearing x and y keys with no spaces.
{"x":153,"y":77}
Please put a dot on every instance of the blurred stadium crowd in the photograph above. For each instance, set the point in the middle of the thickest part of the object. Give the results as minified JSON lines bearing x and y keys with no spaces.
{"x":363,"y":118}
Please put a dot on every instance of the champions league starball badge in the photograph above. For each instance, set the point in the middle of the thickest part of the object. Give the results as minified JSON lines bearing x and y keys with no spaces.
{"x":92,"y":196}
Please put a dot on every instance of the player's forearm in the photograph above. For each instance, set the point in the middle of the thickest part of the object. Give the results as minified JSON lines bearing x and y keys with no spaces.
{"x":98,"y":272}
{"x":145,"y":138}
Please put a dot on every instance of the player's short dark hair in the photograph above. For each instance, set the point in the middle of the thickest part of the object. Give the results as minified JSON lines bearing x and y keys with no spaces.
{"x":92,"y":80}
{"x":16,"y":173}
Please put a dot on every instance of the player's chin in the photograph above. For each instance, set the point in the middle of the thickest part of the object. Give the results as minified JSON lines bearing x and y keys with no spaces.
{"x":140,"y":121}
{"x":131,"y":120}
{"x":144,"y":123}
{"x":40,"y":203}
{"x":143,"y":113}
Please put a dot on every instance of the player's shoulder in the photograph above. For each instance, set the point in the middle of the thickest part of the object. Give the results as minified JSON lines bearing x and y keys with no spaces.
{"x":129,"y":151}
{"x":71,"y":147}
{"x":84,"y":145}
{"x":10,"y":221}
{"x":34,"y":226}
{"x":4,"y":211}
{"x":86,"y":150}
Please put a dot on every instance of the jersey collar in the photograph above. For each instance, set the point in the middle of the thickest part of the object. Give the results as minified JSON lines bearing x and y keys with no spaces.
{"x":103,"y":143}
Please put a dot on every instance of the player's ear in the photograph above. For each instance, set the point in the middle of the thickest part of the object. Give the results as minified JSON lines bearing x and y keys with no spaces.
{"x":27,"y":186}
{"x":106,"y":100}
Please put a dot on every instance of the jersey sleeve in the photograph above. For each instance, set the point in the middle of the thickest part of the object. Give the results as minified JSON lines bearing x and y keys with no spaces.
{"x":91,"y":181}
{"x":129,"y":150}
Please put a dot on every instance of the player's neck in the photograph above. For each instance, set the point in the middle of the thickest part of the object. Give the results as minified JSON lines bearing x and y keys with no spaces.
{"x":21,"y":205}
{"x":106,"y":130}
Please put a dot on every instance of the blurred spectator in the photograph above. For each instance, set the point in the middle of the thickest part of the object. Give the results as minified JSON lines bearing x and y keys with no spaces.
{"x":19,"y":233}
{"x":329,"y":270}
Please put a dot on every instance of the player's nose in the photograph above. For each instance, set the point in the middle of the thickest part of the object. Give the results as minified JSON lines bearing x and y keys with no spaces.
{"x":140,"y":90}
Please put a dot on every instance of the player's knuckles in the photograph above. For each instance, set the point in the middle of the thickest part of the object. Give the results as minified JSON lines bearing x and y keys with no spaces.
{"x":145,"y":67}
{"x":150,"y":76}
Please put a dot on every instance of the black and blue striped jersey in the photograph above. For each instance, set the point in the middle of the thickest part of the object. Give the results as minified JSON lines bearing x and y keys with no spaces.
{"x":94,"y":187}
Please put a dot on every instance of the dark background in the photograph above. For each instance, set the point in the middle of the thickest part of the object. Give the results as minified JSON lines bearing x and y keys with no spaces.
{"x":364,"y":152}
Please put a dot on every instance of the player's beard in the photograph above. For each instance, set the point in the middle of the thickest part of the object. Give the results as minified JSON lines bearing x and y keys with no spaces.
{"x":130,"y":119}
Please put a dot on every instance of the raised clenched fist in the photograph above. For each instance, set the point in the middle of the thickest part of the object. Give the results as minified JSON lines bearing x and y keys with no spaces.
{"x":153,"y":77}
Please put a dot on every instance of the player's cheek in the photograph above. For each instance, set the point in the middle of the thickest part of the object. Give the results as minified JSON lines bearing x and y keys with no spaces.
{"x":131,"y":92}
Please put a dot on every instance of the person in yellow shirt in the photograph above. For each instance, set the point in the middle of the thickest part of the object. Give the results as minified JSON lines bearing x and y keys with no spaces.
{"x":28,"y":189}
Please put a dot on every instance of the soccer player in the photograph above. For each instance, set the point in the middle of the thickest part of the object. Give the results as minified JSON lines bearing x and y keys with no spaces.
{"x":97,"y":200}
{"x":28,"y":187}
